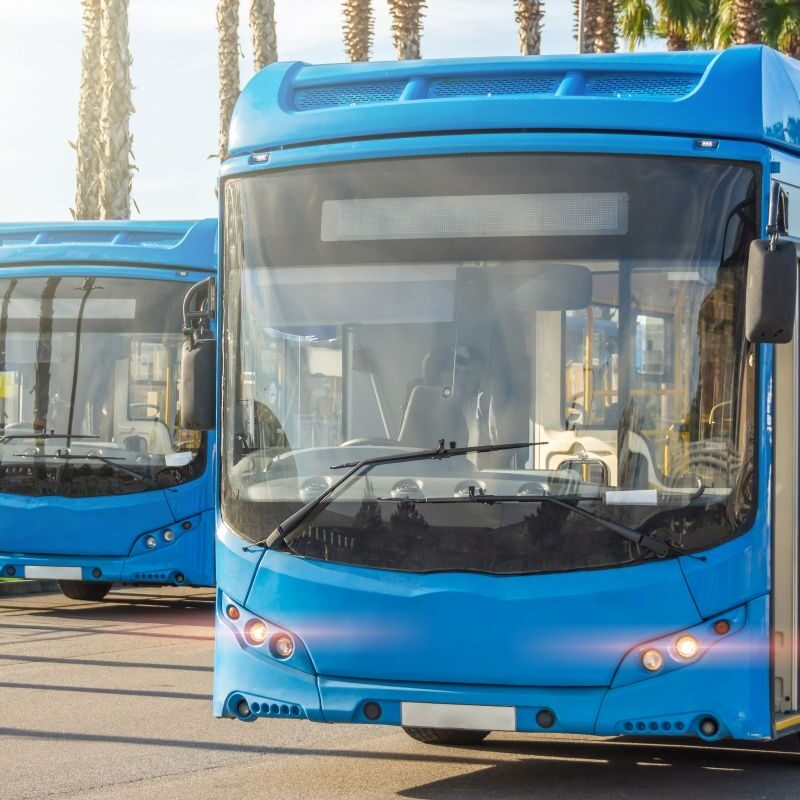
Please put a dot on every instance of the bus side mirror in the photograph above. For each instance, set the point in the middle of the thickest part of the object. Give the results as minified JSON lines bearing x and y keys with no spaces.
{"x":771,"y":291}
{"x":198,"y":387}
{"x":198,"y":384}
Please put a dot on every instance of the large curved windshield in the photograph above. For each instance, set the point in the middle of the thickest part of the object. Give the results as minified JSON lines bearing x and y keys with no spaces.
{"x":89,"y":370}
{"x":589,"y":304}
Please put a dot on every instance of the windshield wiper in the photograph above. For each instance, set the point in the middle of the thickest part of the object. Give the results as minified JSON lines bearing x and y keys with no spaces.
{"x":109,"y":460}
{"x":294,"y":521}
{"x":7,"y":437}
{"x":660,"y":547}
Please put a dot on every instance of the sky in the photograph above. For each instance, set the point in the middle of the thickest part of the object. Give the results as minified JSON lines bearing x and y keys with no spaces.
{"x":174,"y":48}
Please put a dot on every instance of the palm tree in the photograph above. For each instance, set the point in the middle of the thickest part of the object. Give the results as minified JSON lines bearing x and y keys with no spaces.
{"x":228,"y":59}
{"x":116,"y":167}
{"x":589,"y":22}
{"x":358,"y":29}
{"x":673,"y":20}
{"x":605,"y":27}
{"x":782,"y":26}
{"x":747,"y":21}
{"x":87,"y":194}
{"x":262,"y":29}
{"x":407,"y":27}
{"x":529,"y":15}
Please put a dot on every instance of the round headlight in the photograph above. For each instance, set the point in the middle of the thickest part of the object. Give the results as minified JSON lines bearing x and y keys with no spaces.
{"x":687,"y":647}
{"x":282,"y":645}
{"x":150,"y":542}
{"x":169,"y":536}
{"x":256,"y":632}
{"x":652,"y":660}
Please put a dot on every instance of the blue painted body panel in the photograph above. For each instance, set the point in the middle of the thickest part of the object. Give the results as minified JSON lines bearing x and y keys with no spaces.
{"x":657,"y":93}
{"x":107,"y":532}
{"x":560,"y":641}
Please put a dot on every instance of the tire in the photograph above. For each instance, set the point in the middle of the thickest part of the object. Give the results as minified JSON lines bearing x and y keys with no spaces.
{"x":446,"y":736}
{"x":84,"y":590}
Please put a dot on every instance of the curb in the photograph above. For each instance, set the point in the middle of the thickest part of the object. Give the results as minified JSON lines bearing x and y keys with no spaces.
{"x":27,"y":587}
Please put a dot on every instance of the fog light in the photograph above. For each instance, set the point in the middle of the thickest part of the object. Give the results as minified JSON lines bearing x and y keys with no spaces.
{"x":652,"y":660}
{"x":709,"y":727}
{"x":687,"y":647}
{"x":242,"y":708}
{"x":169,"y":536}
{"x":150,"y":542}
{"x":232,"y":612}
{"x":722,"y":626}
{"x":282,"y":645}
{"x":256,"y":632}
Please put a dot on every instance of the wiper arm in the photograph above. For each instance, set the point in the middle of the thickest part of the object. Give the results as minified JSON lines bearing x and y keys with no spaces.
{"x":440,"y":452}
{"x":658,"y":546}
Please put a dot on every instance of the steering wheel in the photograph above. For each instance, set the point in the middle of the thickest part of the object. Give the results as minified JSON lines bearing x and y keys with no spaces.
{"x":375,"y":442}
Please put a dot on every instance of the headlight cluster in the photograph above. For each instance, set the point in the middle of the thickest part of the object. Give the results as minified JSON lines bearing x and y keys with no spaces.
{"x":683,"y":648}
{"x":257,"y":632}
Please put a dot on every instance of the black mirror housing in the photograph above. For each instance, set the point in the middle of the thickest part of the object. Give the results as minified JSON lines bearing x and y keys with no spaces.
{"x":198,"y":384}
{"x":771,"y":292}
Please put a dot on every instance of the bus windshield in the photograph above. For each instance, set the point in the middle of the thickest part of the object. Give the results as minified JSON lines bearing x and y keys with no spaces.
{"x":89,"y":371}
{"x":590,"y":304}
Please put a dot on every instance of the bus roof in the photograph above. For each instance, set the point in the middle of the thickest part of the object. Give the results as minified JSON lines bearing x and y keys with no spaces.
{"x":748,"y":92}
{"x":188,"y":244}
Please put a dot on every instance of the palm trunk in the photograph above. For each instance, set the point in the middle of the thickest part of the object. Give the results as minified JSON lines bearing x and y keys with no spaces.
{"x":358,"y":29}
{"x":87,"y":146}
{"x":529,"y":15}
{"x":747,"y":21}
{"x":407,"y":27}
{"x":590,"y":12}
{"x":228,"y":58}
{"x":116,"y":173}
{"x":677,"y":40}
{"x":605,"y":27}
{"x":262,"y":28}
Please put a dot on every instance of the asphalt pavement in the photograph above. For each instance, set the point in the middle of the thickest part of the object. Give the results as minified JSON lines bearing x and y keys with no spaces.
{"x":112,"y":701}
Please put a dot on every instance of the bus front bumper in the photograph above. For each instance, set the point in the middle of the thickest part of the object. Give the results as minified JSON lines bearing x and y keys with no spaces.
{"x":183,"y":560}
{"x":723,"y":694}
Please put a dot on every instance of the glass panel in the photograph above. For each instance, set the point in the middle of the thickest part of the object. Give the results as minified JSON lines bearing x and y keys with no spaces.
{"x":616,"y":354}
{"x":89,"y":371}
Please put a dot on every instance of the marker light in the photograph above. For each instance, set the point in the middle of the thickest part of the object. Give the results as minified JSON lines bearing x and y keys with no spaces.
{"x":282,"y":645}
{"x":256,"y":632}
{"x":169,"y":536}
{"x":722,"y":626}
{"x":652,"y":660}
{"x":232,"y":612}
{"x":687,"y":647}
{"x":150,"y":542}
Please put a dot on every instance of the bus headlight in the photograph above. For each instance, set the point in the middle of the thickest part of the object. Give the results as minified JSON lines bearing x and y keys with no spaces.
{"x":150,"y":542}
{"x":652,"y":660}
{"x":282,"y":646}
{"x":256,"y":632}
{"x":687,"y":646}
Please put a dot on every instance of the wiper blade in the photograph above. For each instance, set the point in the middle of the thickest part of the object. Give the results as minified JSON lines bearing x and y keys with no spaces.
{"x":660,"y":547}
{"x":440,"y":452}
{"x":8,"y":437}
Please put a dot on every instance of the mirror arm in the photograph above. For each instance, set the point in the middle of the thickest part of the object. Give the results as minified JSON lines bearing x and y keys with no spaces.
{"x":777,"y":202}
{"x":197,"y":317}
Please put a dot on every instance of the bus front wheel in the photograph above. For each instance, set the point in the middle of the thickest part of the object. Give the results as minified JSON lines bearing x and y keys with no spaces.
{"x":83,"y":590}
{"x":446,"y":736}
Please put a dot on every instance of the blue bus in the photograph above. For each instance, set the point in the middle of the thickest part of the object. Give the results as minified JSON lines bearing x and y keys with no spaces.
{"x":100,"y":481}
{"x":509,"y":422}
